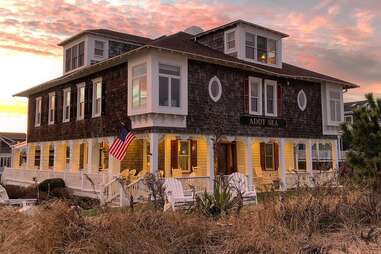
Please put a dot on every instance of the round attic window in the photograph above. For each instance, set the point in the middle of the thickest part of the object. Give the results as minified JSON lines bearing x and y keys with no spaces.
{"x":302,"y":100}
{"x":215,"y":89}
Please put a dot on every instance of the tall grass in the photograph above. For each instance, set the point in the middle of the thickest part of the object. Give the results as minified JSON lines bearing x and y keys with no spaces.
{"x":307,"y":221}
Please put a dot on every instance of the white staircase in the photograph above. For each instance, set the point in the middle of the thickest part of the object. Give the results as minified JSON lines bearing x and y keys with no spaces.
{"x":118,"y":193}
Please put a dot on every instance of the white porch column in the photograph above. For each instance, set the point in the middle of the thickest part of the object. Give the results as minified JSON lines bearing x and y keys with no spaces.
{"x":74,"y":155}
{"x":29,"y":157}
{"x":282,"y":164}
{"x":92,"y":155}
{"x":113,"y":164}
{"x":309,"y":159}
{"x":55,"y":163}
{"x":249,"y":162}
{"x":335,"y":154}
{"x":42,"y":156}
{"x":210,"y":162}
{"x":154,"y":150}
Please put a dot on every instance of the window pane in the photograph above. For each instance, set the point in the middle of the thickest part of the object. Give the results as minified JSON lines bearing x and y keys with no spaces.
{"x":271,"y":45}
{"x":250,"y":39}
{"x":184,"y":155}
{"x":230,"y":40}
{"x":262,"y":43}
{"x":169,"y":69}
{"x":139,"y":70}
{"x":250,"y":52}
{"x":338,"y":111}
{"x":262,"y":55}
{"x":270,"y":99}
{"x":269,"y":157}
{"x":68,"y":60}
{"x":82,"y":94}
{"x":175,"y":92}
{"x":254,"y":89}
{"x":99,"y":90}
{"x":81,"y":54}
{"x":143,"y":91}
{"x":163,"y":91}
{"x":135,"y":93}
{"x":332,"y":108}
{"x":254,"y":104}
{"x":215,"y":88}
{"x":74,"y":56}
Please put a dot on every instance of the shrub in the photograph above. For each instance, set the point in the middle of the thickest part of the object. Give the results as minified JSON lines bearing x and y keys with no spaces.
{"x":218,"y":203}
{"x":155,"y":185}
{"x":51,"y":184}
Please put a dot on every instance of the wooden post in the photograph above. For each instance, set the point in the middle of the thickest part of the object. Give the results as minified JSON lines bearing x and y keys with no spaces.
{"x":154,"y":150}
{"x":211,"y":162}
{"x":282,"y":164}
{"x":249,"y":162}
{"x":309,"y":160}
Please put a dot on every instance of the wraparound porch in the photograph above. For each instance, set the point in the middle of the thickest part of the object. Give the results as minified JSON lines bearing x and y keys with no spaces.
{"x":269,"y":163}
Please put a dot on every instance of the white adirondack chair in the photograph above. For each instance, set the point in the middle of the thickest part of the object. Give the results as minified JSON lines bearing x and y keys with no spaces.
{"x":174,"y":193}
{"x":238,"y":184}
{"x":4,"y":199}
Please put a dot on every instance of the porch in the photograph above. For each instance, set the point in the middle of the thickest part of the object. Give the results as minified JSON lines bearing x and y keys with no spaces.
{"x":268,"y":163}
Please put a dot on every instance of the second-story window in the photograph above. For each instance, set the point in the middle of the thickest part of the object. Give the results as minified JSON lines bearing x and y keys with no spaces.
{"x":250,"y":46}
{"x":52,"y":108}
{"x":266,"y":50}
{"x":66,"y":105}
{"x":169,"y":85}
{"x":230,"y":40}
{"x":74,"y":56}
{"x":99,"y":48}
{"x":97,"y":97}
{"x":335,"y":105}
{"x":139,"y":85}
{"x":37,"y":120}
{"x":81,"y":101}
{"x":270,"y":98}
{"x":255,"y":96}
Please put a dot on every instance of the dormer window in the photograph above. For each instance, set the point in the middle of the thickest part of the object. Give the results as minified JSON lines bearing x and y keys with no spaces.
{"x":230,"y":40}
{"x":99,"y":48}
{"x":74,"y":56}
{"x":250,"y":46}
{"x":266,"y":50}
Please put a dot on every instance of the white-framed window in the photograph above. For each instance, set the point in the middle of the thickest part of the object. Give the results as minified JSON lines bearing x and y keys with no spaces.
{"x":250,"y":46}
{"x":348,"y":119}
{"x":97,"y":97}
{"x":66,"y":105}
{"x":300,"y":157}
{"x":37,"y":119}
{"x":230,"y":39}
{"x":52,"y":108}
{"x":74,"y":56}
{"x":269,"y":156}
{"x":215,"y":89}
{"x":335,"y":106}
{"x":255,"y":91}
{"x":302,"y":100}
{"x":139,"y":85}
{"x":270,"y":98}
{"x":266,"y":50}
{"x":99,"y":47}
{"x":81,"y":101}
{"x":169,"y":85}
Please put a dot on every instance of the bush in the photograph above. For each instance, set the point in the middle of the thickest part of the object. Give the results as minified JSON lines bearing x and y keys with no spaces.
{"x":50,"y":185}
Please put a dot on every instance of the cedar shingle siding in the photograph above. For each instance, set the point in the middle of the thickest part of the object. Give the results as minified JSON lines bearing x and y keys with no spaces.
{"x":114,"y":82}
{"x":204,"y":115}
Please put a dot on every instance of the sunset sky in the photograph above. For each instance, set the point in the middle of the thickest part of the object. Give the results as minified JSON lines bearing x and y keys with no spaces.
{"x":334,"y":37}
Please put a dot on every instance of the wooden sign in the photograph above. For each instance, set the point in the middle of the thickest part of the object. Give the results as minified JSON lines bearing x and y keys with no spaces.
{"x":263,"y":121}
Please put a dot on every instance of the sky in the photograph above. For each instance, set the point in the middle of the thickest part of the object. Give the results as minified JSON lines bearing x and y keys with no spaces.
{"x":340,"y":38}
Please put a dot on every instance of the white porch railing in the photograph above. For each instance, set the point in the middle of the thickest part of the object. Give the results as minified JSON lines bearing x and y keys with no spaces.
{"x":302,"y":178}
{"x":85,"y":181}
{"x":199,"y":183}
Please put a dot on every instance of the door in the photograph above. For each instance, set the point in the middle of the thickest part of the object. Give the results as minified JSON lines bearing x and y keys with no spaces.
{"x":226,"y":158}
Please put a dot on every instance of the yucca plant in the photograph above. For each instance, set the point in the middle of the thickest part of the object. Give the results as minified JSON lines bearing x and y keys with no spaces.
{"x":218,"y":203}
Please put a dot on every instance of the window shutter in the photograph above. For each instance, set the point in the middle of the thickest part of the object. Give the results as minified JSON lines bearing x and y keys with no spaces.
{"x":88,"y":100}
{"x":103,"y":111}
{"x":193,"y":153}
{"x":280,"y":99}
{"x":246,"y":96}
{"x":276,"y":156}
{"x":174,"y":159}
{"x":262,"y":155}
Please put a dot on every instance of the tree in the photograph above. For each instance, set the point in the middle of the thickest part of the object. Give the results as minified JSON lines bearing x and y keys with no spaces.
{"x":364,"y":139}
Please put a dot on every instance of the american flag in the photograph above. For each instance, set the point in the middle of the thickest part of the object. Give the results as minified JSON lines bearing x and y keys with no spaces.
{"x":118,"y":149}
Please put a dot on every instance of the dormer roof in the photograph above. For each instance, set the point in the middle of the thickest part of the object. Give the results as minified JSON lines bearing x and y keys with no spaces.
{"x":240,"y":21}
{"x":109,"y":34}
